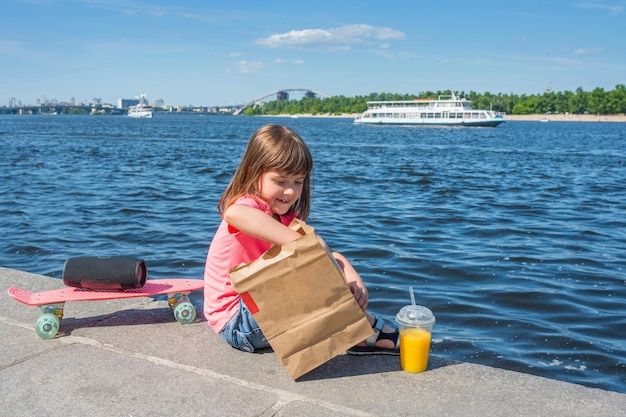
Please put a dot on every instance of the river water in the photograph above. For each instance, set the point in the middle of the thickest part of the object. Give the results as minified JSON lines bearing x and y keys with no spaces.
{"x":513,"y":236}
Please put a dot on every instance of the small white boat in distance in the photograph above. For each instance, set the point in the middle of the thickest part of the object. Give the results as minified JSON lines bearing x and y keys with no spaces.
{"x":445,"y":111}
{"x":142,"y":110}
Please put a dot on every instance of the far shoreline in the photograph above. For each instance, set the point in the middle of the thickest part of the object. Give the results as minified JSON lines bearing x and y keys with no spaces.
{"x":567,"y":117}
{"x":508,"y":117}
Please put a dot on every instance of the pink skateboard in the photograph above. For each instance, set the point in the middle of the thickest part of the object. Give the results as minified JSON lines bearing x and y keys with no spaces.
{"x":51,"y":303}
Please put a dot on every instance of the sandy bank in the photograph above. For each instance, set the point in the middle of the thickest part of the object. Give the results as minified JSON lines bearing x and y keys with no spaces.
{"x":568,"y":117}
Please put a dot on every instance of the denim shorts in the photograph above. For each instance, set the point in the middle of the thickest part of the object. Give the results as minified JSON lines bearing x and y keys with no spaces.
{"x":242,"y":331}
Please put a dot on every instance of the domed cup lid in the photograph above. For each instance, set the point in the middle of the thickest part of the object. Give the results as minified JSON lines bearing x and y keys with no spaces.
{"x":415,"y":316}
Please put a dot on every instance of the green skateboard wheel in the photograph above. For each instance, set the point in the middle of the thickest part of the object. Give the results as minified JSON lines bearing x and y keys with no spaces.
{"x":47,"y":326}
{"x":185,"y":312}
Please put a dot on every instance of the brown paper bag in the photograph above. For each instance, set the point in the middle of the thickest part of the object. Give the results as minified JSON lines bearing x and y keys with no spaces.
{"x":300,"y":300}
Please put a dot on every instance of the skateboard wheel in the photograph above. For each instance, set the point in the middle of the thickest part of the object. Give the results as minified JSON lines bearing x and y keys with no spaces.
{"x":185,"y":312}
{"x":47,"y":326}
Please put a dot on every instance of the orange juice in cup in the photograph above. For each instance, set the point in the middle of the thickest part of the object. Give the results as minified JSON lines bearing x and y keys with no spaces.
{"x":415,"y":324}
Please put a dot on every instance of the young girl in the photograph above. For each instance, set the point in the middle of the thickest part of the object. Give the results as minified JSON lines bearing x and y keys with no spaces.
{"x":270,"y":188}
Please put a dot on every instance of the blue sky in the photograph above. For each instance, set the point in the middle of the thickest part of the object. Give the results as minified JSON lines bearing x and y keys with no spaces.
{"x":205,"y":52}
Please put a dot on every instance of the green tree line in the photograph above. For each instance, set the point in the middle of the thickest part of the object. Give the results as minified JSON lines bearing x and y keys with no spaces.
{"x":598,"y":101}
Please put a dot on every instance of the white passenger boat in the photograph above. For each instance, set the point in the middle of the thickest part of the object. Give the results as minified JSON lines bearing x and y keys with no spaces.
{"x":142,"y":110}
{"x":446,"y":110}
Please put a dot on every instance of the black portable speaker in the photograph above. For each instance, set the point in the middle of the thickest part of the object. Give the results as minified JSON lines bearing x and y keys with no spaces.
{"x":105,"y":273}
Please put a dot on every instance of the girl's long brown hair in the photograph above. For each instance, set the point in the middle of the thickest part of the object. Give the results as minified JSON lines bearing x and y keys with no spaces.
{"x":271,"y":148}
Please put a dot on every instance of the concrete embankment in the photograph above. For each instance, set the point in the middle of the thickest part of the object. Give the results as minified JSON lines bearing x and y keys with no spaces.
{"x":130,"y":358}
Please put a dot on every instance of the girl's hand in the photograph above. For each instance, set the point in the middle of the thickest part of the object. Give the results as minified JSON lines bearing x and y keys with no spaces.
{"x":353,"y":279}
{"x":359,"y":293}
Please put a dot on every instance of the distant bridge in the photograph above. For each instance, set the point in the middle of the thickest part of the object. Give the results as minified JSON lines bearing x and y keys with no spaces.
{"x":284,"y":94}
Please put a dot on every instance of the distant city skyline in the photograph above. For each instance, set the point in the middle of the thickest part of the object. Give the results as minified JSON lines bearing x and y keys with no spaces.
{"x":284,"y":93}
{"x":200,"y":53}
{"x":15,"y":102}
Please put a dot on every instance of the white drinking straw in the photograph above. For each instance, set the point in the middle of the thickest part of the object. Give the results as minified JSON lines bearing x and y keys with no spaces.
{"x":412,"y":295}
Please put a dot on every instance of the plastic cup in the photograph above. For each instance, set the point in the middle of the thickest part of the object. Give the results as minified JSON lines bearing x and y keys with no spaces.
{"x":415,"y":324}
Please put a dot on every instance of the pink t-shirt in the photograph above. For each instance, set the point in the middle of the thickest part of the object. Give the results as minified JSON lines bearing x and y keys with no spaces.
{"x":229,"y":249}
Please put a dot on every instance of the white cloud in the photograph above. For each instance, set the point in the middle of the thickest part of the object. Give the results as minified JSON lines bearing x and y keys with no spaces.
{"x":587,"y":51}
{"x":613,"y":9}
{"x":284,"y":61}
{"x":336,"y":38}
{"x":247,"y":67}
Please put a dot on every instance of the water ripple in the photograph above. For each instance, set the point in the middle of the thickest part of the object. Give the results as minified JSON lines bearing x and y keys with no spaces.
{"x":513,"y":236}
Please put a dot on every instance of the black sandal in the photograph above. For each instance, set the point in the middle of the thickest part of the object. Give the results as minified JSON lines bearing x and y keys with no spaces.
{"x":370,"y":347}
